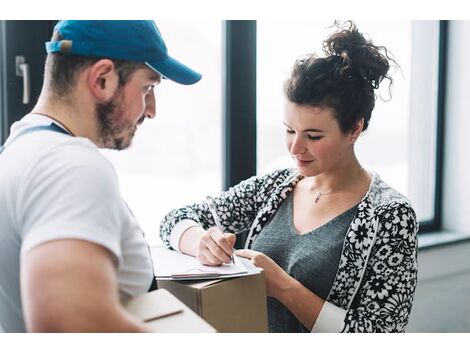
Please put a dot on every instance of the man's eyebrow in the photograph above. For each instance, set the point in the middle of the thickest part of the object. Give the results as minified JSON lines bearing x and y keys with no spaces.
{"x":155,"y":77}
{"x":307,"y":130}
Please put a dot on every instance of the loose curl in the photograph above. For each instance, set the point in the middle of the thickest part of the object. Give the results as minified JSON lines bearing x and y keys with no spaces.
{"x":344,"y":80}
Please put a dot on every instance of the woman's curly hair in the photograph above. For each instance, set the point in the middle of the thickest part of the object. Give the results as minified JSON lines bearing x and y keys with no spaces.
{"x":344,"y":80}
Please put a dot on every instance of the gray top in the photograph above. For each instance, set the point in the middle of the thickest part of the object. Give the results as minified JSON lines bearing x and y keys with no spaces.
{"x":311,"y":258}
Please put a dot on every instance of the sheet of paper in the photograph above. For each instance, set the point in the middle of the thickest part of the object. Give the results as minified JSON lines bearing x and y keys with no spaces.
{"x":172,"y":265}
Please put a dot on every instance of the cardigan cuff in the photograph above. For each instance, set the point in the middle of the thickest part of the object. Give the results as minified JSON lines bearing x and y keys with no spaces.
{"x":330,"y":319}
{"x":178,"y":231}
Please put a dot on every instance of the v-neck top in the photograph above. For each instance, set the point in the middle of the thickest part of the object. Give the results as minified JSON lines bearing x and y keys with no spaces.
{"x":311,"y":258}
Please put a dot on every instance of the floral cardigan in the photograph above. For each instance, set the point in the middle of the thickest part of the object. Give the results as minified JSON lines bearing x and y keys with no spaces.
{"x":376,"y":278}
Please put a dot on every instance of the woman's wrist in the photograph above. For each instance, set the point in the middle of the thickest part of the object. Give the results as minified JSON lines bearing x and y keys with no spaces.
{"x":189,"y":240}
{"x":177,"y":232}
{"x":302,"y":302}
{"x":287,"y":289}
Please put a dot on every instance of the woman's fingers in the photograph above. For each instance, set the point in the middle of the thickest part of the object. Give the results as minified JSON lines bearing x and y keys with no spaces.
{"x":246,"y":253}
{"x":207,"y":258}
{"x":224,"y":241}
{"x":215,"y":247}
{"x":257,"y":258}
{"x":218,"y":252}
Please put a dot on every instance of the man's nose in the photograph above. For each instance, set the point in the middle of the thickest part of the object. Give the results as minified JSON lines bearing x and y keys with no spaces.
{"x":149,"y":111}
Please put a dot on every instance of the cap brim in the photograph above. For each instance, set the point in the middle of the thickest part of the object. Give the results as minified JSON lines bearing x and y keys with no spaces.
{"x":175,"y":71}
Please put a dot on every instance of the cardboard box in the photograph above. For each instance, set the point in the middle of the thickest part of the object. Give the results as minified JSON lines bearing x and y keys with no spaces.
{"x":229,"y":305}
{"x":162,"y":312}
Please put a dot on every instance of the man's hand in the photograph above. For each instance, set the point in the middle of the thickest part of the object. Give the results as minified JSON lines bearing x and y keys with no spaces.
{"x":70,"y":286}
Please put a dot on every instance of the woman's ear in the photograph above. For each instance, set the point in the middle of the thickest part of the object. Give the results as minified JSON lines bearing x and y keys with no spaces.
{"x":102,"y":80}
{"x":357,"y":130}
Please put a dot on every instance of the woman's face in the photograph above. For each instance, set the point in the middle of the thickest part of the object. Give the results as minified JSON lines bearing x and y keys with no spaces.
{"x":315,"y":140}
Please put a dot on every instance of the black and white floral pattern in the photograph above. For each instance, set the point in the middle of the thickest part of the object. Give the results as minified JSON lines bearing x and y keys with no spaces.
{"x":376,"y":277}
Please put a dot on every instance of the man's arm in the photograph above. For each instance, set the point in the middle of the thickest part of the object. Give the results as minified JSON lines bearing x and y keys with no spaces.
{"x":71,"y":286}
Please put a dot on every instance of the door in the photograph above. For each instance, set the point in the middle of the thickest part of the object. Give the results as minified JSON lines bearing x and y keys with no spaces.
{"x":22,"y":57}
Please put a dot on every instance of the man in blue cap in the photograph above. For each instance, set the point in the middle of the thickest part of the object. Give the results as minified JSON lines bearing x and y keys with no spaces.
{"x":71,"y":249}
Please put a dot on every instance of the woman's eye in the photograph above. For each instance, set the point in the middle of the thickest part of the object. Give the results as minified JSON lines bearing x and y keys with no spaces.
{"x":290,"y":131}
{"x":314,"y":138}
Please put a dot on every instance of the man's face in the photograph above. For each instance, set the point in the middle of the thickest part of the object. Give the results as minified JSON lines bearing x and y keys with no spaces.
{"x":119,"y":118}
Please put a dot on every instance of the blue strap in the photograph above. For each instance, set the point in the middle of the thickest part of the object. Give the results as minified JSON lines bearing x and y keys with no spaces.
{"x":52,"y":127}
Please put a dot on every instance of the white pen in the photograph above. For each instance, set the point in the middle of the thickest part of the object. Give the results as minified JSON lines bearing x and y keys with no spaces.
{"x":210,"y":202}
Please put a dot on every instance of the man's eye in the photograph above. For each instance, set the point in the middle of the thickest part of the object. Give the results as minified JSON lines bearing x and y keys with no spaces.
{"x":148,"y":89}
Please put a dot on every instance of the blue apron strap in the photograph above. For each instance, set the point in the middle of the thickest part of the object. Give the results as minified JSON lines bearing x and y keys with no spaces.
{"x":52,"y":127}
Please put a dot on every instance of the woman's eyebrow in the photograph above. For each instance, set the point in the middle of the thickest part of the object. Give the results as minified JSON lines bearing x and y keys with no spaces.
{"x":307,"y":130}
{"x":313,"y":130}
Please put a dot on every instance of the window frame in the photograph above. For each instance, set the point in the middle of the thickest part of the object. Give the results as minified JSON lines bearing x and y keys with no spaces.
{"x":239,"y":115}
{"x":435,"y":224}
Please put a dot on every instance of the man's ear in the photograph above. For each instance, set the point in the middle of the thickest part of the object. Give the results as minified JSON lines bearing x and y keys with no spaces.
{"x":102,"y":80}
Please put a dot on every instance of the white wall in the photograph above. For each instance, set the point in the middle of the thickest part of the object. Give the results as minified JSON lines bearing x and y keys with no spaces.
{"x":442,"y":301}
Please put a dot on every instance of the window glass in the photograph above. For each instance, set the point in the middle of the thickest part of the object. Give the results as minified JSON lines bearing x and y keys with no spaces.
{"x":389,"y":146}
{"x":175,"y":159}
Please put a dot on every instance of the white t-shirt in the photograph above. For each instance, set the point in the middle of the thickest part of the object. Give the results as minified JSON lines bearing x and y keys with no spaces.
{"x":54,"y":186}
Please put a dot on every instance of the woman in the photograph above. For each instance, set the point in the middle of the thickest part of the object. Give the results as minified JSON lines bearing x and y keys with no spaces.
{"x":337,"y":244}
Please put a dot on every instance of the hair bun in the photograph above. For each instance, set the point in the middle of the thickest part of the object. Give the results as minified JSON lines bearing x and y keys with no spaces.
{"x":357,"y":57}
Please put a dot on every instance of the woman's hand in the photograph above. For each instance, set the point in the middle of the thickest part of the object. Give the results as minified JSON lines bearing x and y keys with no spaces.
{"x":302,"y":302}
{"x":277,"y":280}
{"x":215,"y":247}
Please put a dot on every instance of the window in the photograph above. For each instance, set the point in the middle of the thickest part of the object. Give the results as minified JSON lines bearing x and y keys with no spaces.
{"x":175,"y":158}
{"x":400,"y":143}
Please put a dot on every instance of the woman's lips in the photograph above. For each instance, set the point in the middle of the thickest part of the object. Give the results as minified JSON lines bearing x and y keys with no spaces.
{"x":303,"y":162}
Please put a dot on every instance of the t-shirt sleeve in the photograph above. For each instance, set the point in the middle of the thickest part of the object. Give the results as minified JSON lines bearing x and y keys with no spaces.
{"x":71,"y":192}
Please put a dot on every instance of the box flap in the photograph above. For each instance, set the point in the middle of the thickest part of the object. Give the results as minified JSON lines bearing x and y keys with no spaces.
{"x":154,"y":305}
{"x":205,"y":283}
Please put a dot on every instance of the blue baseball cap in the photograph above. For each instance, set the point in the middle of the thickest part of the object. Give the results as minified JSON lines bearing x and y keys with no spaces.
{"x":139,"y":41}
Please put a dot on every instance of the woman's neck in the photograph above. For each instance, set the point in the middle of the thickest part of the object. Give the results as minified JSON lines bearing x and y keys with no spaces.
{"x":340,"y":177}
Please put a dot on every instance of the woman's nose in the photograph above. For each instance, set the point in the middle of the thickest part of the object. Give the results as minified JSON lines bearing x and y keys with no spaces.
{"x":297,"y":147}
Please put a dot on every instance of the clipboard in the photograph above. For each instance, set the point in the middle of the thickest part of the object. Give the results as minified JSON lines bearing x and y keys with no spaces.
{"x":173,"y":265}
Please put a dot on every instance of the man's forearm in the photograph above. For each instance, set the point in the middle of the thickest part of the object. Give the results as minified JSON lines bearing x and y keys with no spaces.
{"x":71,"y":286}
{"x":96,"y":320}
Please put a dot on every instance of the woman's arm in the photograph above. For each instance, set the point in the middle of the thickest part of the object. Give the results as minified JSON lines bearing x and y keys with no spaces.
{"x":300,"y":301}
{"x":384,"y":299}
{"x":237,"y":208}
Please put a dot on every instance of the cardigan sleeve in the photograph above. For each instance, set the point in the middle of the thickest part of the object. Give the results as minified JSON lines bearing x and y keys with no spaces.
{"x":385,"y":296}
{"x":330,"y":319}
{"x":237,"y":207}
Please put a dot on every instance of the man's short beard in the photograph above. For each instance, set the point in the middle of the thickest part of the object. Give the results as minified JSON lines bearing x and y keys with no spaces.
{"x":110,"y":130}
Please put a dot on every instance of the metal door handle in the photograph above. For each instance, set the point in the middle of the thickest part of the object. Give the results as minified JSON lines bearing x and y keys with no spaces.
{"x":22,"y":70}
